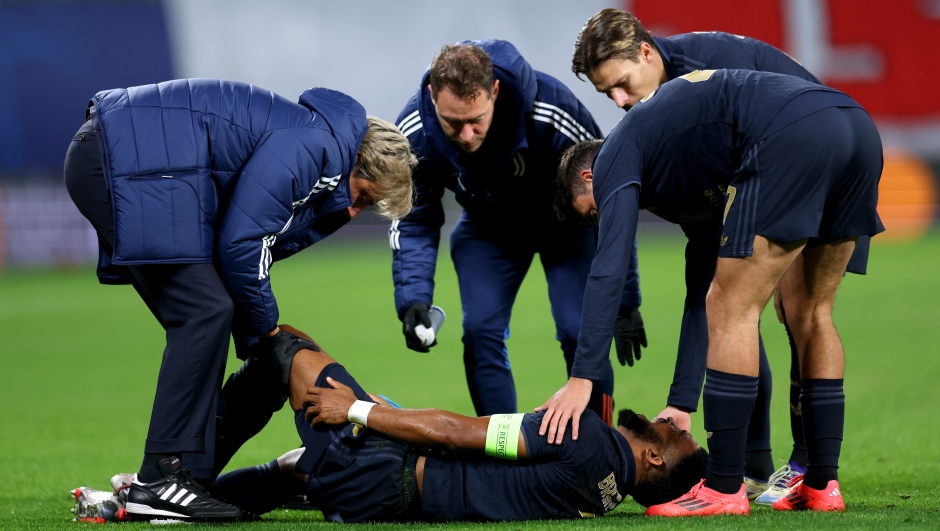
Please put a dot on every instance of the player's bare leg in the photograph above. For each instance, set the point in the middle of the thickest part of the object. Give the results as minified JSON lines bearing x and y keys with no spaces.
{"x":739,"y":292}
{"x":808,"y":289}
{"x":304,"y":374}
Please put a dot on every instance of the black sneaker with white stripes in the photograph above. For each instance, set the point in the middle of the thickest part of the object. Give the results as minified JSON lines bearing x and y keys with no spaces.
{"x":177,"y":495}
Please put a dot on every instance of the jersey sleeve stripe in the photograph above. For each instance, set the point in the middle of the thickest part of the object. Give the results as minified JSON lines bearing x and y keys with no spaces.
{"x":393,"y":236}
{"x":560,"y":116}
{"x":409,"y":120}
{"x":575,"y":137}
{"x":408,"y":132}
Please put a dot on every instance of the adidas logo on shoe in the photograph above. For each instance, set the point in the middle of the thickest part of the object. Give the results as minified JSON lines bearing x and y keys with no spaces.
{"x":176,"y":495}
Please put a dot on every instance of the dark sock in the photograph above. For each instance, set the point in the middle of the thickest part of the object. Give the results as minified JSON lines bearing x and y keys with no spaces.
{"x":758,"y":464}
{"x":257,"y":489}
{"x":150,"y":468}
{"x":758,"y":461}
{"x":798,"y":456}
{"x":728,"y":402}
{"x":797,"y":459}
{"x":823,"y":405}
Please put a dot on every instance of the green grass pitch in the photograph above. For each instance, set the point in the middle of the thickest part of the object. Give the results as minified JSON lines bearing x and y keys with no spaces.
{"x":79,"y":366}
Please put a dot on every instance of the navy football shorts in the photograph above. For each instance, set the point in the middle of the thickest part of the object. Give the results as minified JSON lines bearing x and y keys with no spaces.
{"x":816,"y":178}
{"x":356,"y":474}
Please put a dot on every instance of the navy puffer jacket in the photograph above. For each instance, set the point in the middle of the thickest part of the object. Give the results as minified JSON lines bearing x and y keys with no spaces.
{"x":206,"y":170}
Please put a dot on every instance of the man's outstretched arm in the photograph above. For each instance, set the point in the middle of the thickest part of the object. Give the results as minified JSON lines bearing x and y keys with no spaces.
{"x":425,"y":428}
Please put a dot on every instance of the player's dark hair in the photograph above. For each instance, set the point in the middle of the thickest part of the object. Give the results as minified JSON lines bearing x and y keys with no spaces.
{"x":677,"y":480}
{"x":570,"y":185}
{"x":609,"y":34}
{"x":464,"y":69}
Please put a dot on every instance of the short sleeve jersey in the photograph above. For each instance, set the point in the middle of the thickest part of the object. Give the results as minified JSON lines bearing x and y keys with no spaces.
{"x":684,"y":142}
{"x":577,"y":479}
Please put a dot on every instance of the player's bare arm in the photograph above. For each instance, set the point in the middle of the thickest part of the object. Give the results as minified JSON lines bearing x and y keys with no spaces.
{"x":426,"y":428}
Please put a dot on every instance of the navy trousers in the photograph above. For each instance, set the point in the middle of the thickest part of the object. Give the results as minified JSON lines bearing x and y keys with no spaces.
{"x":491,"y":261}
{"x":188,"y":300}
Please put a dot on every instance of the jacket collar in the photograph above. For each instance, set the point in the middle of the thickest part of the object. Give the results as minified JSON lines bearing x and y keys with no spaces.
{"x":665,"y":52}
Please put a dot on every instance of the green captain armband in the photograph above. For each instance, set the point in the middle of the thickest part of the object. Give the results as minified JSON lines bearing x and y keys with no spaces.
{"x":502,"y":435}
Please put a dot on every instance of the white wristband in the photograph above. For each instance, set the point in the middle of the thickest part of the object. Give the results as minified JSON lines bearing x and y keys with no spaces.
{"x":359,"y":412}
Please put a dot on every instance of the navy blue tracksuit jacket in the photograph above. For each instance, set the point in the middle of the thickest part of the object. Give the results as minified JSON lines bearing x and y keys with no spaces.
{"x":211,"y":181}
{"x":506,"y":190}
{"x":212,"y":171}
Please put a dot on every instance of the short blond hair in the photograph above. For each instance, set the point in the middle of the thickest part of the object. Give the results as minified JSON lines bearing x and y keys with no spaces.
{"x":385,"y":158}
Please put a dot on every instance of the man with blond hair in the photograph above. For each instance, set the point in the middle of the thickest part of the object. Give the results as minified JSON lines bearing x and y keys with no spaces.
{"x":195,"y":187}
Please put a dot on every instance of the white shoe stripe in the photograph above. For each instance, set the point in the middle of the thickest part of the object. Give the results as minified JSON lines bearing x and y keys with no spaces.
{"x":190,"y":498}
{"x":168,"y":492}
{"x":139,"y":508}
{"x":179,"y":495}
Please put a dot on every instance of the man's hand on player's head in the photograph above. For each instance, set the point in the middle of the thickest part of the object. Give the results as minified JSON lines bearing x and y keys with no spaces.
{"x":328,"y":406}
{"x":681,"y":416}
{"x":416,"y":314}
{"x":629,"y":336}
{"x":567,"y":404}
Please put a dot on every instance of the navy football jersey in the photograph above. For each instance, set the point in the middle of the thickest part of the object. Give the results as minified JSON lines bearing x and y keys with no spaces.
{"x":684,"y":142}
{"x":577,"y":479}
{"x":703,"y":50}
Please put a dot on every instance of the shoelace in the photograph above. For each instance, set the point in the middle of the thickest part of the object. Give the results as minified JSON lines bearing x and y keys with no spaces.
{"x":795,"y":480}
{"x":692,"y":493}
{"x":781,"y":478}
{"x":184,"y":478}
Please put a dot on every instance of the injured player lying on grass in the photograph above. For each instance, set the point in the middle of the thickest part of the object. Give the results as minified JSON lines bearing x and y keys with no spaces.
{"x":395,"y":464}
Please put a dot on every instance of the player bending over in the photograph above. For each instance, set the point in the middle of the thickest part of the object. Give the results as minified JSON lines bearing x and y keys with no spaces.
{"x":365,"y":461}
{"x":792,"y":169}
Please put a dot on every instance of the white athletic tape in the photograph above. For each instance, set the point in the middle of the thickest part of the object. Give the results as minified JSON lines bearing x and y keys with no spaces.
{"x":359,"y":412}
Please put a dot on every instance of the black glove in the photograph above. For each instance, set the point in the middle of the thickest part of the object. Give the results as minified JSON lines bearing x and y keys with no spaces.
{"x":275,"y":355}
{"x":629,"y":335}
{"x":416,"y":314}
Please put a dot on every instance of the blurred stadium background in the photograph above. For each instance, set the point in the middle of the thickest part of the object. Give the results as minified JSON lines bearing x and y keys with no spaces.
{"x":54,"y":55}
{"x":80,"y":360}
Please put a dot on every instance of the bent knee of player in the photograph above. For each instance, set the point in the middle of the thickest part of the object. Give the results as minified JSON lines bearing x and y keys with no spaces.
{"x":725,"y":302}
{"x":304,"y":373}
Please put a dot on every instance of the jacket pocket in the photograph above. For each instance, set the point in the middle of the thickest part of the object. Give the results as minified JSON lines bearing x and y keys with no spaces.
{"x":164,"y":217}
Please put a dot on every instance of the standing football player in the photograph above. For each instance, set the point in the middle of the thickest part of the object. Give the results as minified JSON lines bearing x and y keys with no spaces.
{"x":625,"y":63}
{"x":486,"y":125}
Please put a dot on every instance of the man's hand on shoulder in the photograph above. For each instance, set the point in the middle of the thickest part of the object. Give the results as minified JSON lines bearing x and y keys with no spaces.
{"x":567,"y":404}
{"x":416,"y":314}
{"x":629,"y":336}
